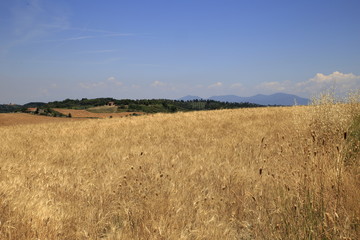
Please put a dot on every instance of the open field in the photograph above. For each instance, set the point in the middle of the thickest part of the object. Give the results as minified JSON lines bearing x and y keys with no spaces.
{"x":103,"y":109}
{"x":87,"y":114}
{"x":264,"y":173}
{"x":9,"y":119}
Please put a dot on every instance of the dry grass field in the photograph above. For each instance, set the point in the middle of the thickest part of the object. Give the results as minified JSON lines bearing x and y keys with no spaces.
{"x":87,"y":114}
{"x":9,"y":119}
{"x":264,"y":173}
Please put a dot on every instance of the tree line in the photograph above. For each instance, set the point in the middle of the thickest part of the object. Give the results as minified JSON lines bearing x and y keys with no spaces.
{"x":149,"y":105}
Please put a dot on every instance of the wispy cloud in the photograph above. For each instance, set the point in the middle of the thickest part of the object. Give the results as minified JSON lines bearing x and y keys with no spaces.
{"x":105,"y":61}
{"x":89,"y":85}
{"x":275,"y":86}
{"x":237,"y":85}
{"x":30,"y":20}
{"x":100,"y":51}
{"x":33,"y":21}
{"x":77,"y":38}
{"x":54,"y":85}
{"x":157,"y":84}
{"x":47,"y":90}
{"x":73,"y":38}
{"x":93,"y":30}
{"x":114,"y":81}
{"x":216,"y":85}
{"x":110,"y":82}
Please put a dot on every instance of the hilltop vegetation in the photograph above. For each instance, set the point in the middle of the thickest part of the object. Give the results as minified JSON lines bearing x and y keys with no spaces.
{"x":98,"y":105}
{"x":149,"y":105}
{"x":5,"y":108}
{"x":264,"y":173}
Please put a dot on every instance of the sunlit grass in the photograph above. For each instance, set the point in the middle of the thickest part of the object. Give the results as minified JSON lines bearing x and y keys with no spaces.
{"x":264,"y":173}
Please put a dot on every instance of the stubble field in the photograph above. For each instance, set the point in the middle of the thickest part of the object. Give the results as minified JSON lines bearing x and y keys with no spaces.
{"x":11,"y":119}
{"x":264,"y":173}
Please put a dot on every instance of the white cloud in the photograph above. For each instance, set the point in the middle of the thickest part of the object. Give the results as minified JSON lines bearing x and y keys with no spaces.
{"x":157,"y":84}
{"x":215,"y":85}
{"x":335,"y":76}
{"x":339,"y":82}
{"x":336,"y":79}
{"x":236,"y":85}
{"x":113,"y":80}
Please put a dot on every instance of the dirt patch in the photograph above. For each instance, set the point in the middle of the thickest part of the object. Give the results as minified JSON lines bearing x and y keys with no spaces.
{"x":8,"y":119}
{"x":85,"y":114}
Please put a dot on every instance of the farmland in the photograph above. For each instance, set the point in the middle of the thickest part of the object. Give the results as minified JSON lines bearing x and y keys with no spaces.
{"x":264,"y":173}
{"x":86,"y":114}
{"x":9,"y":119}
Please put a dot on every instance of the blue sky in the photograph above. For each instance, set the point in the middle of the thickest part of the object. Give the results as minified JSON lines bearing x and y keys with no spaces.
{"x":52,"y":50}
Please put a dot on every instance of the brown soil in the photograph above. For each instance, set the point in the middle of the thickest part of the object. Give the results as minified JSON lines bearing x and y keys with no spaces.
{"x":8,"y":119}
{"x":85,"y":114}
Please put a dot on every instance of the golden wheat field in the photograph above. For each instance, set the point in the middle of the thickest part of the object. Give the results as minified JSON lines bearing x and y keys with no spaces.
{"x":264,"y":173}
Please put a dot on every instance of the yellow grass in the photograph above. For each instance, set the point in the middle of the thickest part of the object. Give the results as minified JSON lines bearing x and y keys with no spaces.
{"x":10,"y":119}
{"x":265,"y":173}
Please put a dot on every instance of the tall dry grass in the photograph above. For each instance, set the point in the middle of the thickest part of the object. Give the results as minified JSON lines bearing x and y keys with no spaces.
{"x":265,"y":173}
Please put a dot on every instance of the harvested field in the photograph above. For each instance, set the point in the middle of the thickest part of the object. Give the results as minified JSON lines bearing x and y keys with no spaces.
{"x":86,"y":114}
{"x":8,"y":119}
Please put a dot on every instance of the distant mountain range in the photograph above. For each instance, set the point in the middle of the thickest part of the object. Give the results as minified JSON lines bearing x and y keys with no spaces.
{"x":273,"y":99}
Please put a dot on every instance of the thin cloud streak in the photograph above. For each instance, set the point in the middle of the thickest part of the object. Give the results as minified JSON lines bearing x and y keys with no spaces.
{"x":89,"y":37}
{"x":110,"y":82}
{"x":99,"y":51}
{"x":91,"y":30}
